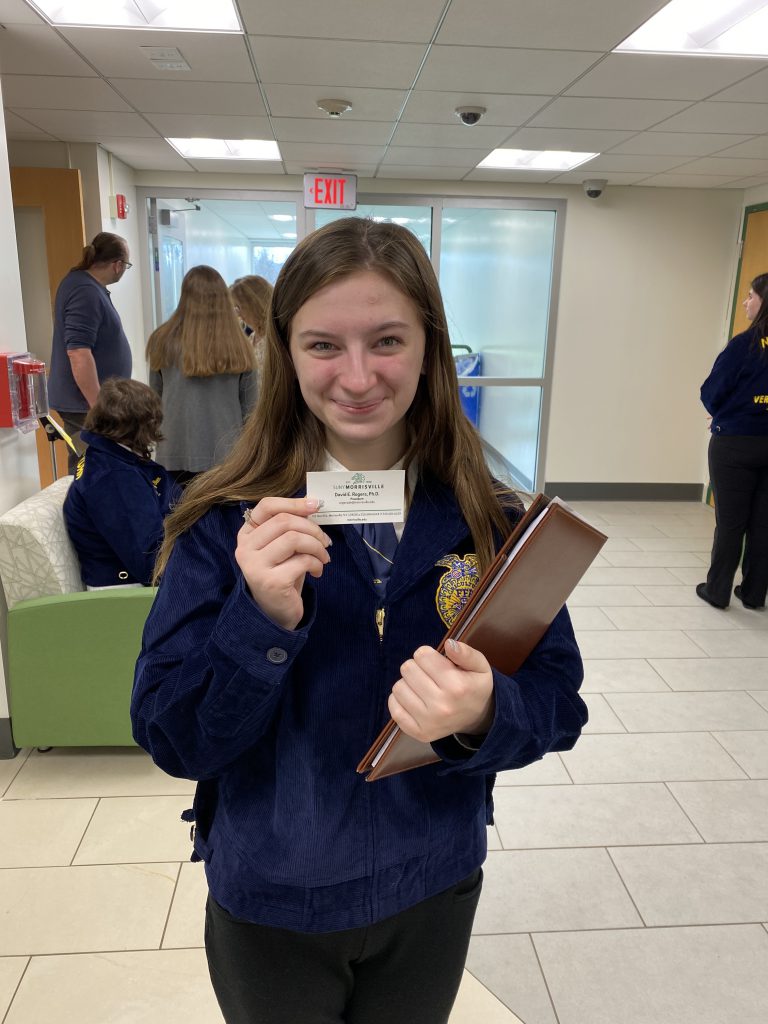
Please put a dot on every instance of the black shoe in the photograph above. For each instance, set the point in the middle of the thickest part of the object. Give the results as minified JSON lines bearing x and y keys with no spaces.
{"x":752,"y":607}
{"x":701,"y":591}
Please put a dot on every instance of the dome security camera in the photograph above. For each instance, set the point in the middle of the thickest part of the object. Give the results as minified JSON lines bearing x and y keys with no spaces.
{"x":594,"y":187}
{"x":469,"y":115}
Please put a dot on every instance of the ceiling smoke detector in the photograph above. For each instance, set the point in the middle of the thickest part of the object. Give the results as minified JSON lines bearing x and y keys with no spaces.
{"x":334,"y":108}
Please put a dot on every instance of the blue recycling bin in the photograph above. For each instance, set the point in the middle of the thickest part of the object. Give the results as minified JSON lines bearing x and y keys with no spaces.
{"x":469,"y":364}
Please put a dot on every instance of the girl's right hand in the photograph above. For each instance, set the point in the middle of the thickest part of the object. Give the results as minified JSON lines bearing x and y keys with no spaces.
{"x":276,"y":547}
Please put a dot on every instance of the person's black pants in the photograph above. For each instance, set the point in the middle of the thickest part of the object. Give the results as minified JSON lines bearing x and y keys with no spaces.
{"x":73,"y":424}
{"x":738,"y":469}
{"x":403,"y":970}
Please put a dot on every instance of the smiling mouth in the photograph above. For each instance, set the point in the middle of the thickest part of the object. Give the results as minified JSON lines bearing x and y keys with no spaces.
{"x":359,"y":409}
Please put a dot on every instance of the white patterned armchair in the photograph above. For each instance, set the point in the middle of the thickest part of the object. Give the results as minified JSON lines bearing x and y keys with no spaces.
{"x":71,"y":652}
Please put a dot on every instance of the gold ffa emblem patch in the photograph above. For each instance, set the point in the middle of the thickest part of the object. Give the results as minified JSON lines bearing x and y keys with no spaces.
{"x":80,"y":467}
{"x":456,"y":585}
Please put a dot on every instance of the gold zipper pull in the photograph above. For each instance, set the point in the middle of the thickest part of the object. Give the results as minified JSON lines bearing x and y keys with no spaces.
{"x":380,"y":613}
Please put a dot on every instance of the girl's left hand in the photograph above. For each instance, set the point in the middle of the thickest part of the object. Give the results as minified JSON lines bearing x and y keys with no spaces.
{"x":442,"y":694}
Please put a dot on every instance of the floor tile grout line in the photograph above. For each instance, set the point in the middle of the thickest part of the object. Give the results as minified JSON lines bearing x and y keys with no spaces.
{"x":18,"y":986}
{"x":544,"y":977}
{"x":687,"y":815}
{"x":565,"y":769}
{"x":626,"y":887}
{"x":731,"y":755}
{"x":170,"y":905}
{"x":495,"y":995}
{"x":85,"y":830}
{"x":15,"y":774}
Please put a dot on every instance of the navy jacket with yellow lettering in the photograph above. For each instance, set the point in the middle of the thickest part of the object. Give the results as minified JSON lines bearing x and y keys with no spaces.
{"x":272,"y":723}
{"x":735,"y":393}
{"x":114,"y":512}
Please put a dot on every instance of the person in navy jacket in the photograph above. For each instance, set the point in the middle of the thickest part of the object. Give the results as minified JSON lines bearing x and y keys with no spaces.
{"x":115,"y":507}
{"x":270,"y":654}
{"x":735,"y":394}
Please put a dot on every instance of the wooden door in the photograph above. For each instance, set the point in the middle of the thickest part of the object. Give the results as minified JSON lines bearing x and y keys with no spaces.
{"x":754,"y":261}
{"x":57,"y":191}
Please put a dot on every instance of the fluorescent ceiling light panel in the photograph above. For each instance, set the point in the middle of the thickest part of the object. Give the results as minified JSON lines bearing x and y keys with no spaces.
{"x":189,"y":15}
{"x":534,"y":160}
{"x":721,"y":27}
{"x":226,"y":149}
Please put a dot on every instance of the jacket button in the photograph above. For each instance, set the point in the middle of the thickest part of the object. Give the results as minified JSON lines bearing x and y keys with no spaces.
{"x":277,"y":655}
{"x":122,"y":575}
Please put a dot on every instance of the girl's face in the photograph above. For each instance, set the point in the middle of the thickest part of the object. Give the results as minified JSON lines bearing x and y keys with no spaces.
{"x":752,"y":305}
{"x":357,"y":346}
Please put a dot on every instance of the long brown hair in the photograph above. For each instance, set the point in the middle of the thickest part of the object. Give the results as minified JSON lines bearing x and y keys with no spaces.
{"x":105,"y":248}
{"x":282,"y":439}
{"x":251,"y":295}
{"x":202,"y":336}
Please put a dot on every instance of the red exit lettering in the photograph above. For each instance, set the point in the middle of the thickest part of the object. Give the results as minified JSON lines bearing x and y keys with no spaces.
{"x":329,"y":191}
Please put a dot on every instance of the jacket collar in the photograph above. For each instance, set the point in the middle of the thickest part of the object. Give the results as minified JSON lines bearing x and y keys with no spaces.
{"x":113,"y":449}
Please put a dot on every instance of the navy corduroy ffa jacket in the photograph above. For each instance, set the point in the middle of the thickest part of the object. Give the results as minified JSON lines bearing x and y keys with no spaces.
{"x":114,"y":512}
{"x":735,"y":393}
{"x":272,"y":723}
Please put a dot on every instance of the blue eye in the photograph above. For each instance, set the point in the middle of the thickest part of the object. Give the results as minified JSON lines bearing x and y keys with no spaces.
{"x":389,"y":342}
{"x":321,"y":346}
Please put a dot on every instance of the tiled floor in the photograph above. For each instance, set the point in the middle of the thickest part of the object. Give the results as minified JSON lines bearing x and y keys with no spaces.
{"x":627,"y":879}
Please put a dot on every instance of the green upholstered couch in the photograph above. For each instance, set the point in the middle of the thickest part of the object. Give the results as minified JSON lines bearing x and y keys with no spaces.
{"x":71,"y":652}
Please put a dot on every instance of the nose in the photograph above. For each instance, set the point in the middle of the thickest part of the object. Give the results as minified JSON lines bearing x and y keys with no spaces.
{"x":357,"y":374}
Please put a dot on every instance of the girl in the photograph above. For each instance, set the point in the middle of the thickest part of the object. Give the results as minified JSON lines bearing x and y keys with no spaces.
{"x":736,"y":396}
{"x":115,"y":507}
{"x":271,"y":652}
{"x":201,"y":364}
{"x":251,"y":296}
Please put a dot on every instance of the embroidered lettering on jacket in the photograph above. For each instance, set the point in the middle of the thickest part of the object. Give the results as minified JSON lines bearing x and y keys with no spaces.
{"x":764,"y":343}
{"x":80,"y":467}
{"x":456,"y":585}
{"x":760,"y":399}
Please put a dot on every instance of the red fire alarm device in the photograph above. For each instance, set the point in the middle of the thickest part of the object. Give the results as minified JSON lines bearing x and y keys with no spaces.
{"x":23,"y":390}
{"x":118,"y":207}
{"x":328,"y":191}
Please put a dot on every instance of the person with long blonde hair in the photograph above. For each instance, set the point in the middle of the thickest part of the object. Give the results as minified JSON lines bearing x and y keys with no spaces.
{"x":201,"y":365}
{"x":270,"y":654}
{"x":251,"y":296}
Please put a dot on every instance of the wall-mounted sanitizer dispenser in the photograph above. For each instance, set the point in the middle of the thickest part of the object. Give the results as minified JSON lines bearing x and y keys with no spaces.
{"x":23,"y":391}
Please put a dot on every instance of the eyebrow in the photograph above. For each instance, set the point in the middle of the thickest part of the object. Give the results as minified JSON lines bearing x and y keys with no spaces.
{"x":387,"y":326}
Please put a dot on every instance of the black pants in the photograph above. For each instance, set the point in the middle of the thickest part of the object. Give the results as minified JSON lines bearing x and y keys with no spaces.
{"x":403,"y":970}
{"x":73,"y":424}
{"x":738,"y":469}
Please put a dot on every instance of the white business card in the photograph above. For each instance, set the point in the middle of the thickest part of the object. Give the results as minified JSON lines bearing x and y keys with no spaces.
{"x":358,"y":497}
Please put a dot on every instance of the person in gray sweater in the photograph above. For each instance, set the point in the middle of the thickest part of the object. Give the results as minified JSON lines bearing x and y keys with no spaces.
{"x":202,"y":366}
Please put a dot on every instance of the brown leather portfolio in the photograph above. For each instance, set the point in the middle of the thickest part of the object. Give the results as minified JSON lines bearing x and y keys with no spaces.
{"x":509,"y":611}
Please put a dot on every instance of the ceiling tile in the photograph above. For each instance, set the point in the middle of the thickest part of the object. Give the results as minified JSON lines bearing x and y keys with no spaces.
{"x":16,"y":12}
{"x":88,"y":125}
{"x":752,"y":182}
{"x":414,"y":171}
{"x":586,"y":25}
{"x":18,"y":128}
{"x":754,"y":148}
{"x":237,"y":166}
{"x":736,"y":168}
{"x":752,"y":90}
{"x":314,"y":155}
{"x":398,"y":20}
{"x":678,"y":144}
{"x":439,"y":107}
{"x":605,"y":113}
{"x":612,"y":177}
{"x":737,"y":118}
{"x":37,"y":48}
{"x":610,"y":163}
{"x":660,"y":76}
{"x":303,"y":62}
{"x":180,"y":97}
{"x":499,"y":70}
{"x":496,"y":174}
{"x":211,"y":126}
{"x":309,"y":129}
{"x":56,"y":93}
{"x":424,"y":156}
{"x":213,"y":57}
{"x":573,"y":139}
{"x":456,"y":135}
{"x":146,"y":154}
{"x":367,"y":104}
{"x":299,"y":167}
{"x":688,"y":180}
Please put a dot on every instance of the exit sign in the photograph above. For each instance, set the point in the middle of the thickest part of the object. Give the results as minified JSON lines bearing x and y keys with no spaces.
{"x":330,"y":191}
